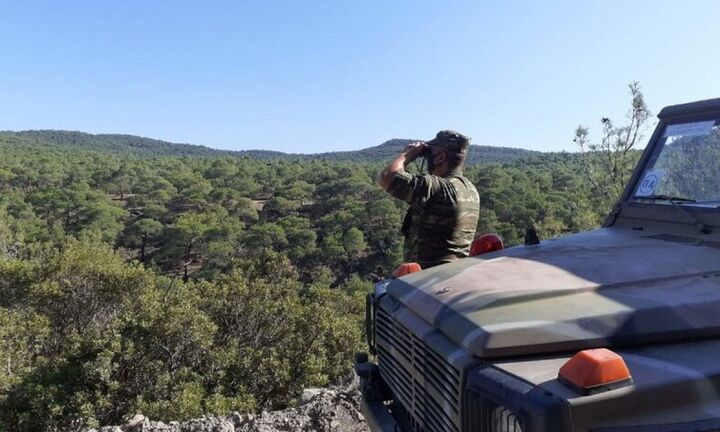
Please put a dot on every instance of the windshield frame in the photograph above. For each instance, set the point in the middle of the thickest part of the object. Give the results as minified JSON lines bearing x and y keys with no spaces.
{"x":660,"y":145}
{"x":677,"y":114}
{"x":650,"y":158}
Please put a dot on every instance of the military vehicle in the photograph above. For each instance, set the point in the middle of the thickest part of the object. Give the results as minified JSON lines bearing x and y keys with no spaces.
{"x":611,"y":330}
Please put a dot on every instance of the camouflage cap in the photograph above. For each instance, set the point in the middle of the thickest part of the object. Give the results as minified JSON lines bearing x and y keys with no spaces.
{"x":451,"y":140}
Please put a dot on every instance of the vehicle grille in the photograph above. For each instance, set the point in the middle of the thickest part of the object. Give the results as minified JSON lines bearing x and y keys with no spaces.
{"x":484,"y":415}
{"x":423,"y":382}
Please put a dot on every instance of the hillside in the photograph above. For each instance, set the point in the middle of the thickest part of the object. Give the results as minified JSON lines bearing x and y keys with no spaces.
{"x":112,"y":143}
{"x":161,"y":286}
{"x":147,"y":147}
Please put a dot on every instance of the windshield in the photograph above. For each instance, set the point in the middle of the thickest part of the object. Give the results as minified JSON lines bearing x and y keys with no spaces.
{"x":685,"y":166}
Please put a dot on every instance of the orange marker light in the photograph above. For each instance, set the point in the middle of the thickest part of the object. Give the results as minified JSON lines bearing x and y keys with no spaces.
{"x":486,"y":243}
{"x":405,"y":269}
{"x":594,"y":371}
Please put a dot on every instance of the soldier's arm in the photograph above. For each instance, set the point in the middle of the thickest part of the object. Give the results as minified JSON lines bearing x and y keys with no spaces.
{"x":408,"y":155}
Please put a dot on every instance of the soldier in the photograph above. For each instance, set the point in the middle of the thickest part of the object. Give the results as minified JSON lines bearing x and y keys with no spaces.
{"x":440,"y":224}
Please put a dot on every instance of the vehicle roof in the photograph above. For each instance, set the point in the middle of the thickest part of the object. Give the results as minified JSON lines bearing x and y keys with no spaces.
{"x":690,"y":108}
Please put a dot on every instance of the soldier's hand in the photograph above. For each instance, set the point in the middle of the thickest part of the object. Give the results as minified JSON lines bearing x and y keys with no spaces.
{"x":412,"y":151}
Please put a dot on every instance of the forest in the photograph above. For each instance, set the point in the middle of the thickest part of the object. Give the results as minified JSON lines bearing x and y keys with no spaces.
{"x":183,"y":284}
{"x":147,"y":147}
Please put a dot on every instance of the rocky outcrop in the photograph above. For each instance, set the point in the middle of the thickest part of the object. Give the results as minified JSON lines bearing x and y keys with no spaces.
{"x":320,"y":410}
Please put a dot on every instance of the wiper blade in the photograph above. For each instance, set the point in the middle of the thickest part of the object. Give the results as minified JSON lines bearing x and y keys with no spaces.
{"x":710,"y":201}
{"x":675,"y":202}
{"x":664,"y":198}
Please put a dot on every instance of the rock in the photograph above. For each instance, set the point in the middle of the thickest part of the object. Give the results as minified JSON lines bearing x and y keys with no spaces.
{"x":319,"y":410}
{"x":139,"y":418}
{"x":309,"y":394}
{"x":238,"y":419}
{"x":224,"y":426}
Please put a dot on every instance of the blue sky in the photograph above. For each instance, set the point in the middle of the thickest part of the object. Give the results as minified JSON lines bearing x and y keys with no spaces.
{"x":311,"y":76}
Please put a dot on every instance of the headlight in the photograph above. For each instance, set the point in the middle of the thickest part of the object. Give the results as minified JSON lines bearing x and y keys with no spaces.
{"x":484,"y":415}
{"x":504,"y":420}
{"x":499,"y":402}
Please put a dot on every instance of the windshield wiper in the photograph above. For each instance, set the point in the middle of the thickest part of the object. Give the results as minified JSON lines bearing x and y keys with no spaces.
{"x":675,"y":202}
{"x":710,"y":201}
{"x":664,"y":198}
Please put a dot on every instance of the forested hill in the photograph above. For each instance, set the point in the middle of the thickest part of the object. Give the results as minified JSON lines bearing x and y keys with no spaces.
{"x":478,"y":154}
{"x":112,"y":143}
{"x":147,"y":147}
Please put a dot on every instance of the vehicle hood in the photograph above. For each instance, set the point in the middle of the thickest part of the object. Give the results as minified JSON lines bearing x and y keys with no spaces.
{"x":603,"y":288}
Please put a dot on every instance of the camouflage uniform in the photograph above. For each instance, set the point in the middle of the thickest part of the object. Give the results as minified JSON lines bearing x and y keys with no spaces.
{"x":440,"y":224}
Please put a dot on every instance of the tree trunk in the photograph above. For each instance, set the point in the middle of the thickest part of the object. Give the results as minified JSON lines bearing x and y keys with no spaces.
{"x":142,"y":250}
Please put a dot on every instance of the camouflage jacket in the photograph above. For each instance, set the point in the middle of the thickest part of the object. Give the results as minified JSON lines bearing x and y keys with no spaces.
{"x":440,"y":224}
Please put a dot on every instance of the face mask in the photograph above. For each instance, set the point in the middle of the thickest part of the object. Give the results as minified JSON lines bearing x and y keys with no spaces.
{"x":429,"y":160}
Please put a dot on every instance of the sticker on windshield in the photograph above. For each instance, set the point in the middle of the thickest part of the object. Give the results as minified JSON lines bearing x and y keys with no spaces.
{"x":649,"y":183}
{"x":689,"y":129}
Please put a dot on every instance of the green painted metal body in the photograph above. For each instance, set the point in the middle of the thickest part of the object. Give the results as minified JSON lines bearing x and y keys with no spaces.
{"x":489,"y":334}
